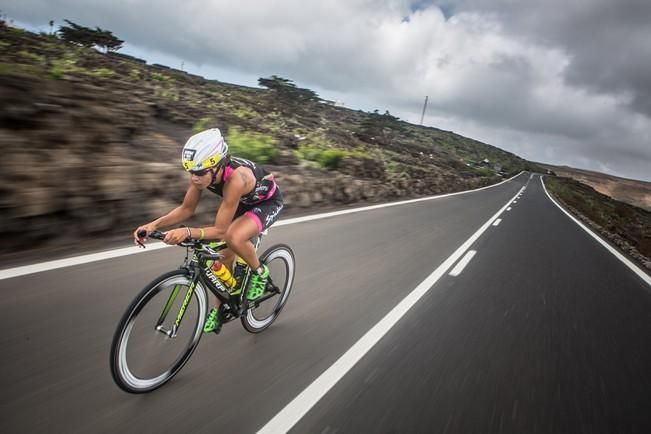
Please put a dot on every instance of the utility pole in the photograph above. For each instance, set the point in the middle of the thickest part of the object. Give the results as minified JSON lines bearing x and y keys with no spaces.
{"x":424,"y":107}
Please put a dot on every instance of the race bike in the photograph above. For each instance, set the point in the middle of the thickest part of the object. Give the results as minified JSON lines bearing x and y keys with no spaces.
{"x":162,"y":326}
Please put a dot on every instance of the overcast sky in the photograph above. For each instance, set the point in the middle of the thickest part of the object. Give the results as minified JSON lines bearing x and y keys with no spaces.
{"x":557,"y":81}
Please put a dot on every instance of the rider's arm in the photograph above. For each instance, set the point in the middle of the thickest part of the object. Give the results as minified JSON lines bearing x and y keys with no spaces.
{"x":181,"y":212}
{"x":240,"y":183}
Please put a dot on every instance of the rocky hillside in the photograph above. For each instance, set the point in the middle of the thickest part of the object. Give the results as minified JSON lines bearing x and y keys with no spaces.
{"x":92,"y":144}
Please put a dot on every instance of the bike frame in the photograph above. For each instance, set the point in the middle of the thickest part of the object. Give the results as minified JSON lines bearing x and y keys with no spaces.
{"x":234,"y":305}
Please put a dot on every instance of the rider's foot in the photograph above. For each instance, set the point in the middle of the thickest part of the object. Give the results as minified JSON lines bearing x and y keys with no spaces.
{"x":258,"y":284}
{"x":213,"y":322}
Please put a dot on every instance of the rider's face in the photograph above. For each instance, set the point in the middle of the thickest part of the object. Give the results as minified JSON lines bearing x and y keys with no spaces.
{"x":203,"y":180}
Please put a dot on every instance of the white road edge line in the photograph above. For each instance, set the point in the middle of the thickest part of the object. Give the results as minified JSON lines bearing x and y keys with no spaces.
{"x":497,"y":222}
{"x":384,"y":205}
{"x":8,"y":273}
{"x":78,"y":260}
{"x":299,"y":406}
{"x":462,"y":263}
{"x":618,"y":255}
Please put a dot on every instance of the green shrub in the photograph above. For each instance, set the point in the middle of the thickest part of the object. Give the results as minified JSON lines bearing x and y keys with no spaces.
{"x":308,"y":152}
{"x":16,"y":30}
{"x":170,"y":94}
{"x":103,"y":73}
{"x":327,"y":157}
{"x":201,"y":124}
{"x":252,"y":146}
{"x":245,"y":113}
{"x":330,"y":158}
{"x":161,"y":77}
{"x":395,"y":170}
{"x":32,"y":56}
{"x":63,"y":66}
{"x":484,"y":171}
{"x":134,"y":75}
{"x":26,"y":70}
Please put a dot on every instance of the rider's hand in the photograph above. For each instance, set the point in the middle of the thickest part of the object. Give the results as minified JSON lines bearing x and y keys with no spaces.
{"x":176,"y":236}
{"x":138,"y":241}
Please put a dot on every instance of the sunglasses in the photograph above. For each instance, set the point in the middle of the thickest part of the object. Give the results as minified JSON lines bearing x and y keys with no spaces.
{"x":200,"y":173}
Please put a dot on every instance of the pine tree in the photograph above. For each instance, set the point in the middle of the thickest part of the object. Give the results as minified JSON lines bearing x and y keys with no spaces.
{"x":87,"y":37}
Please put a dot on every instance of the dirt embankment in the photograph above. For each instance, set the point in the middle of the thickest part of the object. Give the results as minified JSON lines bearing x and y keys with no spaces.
{"x":633,"y":192}
{"x":626,"y":226}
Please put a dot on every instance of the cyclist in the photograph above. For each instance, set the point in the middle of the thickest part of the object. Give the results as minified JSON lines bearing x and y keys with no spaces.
{"x":251,"y":202}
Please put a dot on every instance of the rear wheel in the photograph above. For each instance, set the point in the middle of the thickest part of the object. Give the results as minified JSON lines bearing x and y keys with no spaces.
{"x":280,"y":260}
{"x":147,"y":349}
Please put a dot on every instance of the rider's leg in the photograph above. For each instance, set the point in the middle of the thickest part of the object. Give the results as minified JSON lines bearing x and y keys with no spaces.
{"x":246,"y":225}
{"x":229,"y":257}
{"x":238,"y":237}
{"x":251,"y":222}
{"x":213,"y":321}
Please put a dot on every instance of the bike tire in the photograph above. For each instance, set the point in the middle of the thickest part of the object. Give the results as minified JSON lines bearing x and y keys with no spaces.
{"x":284,"y":253}
{"x":120,"y":369}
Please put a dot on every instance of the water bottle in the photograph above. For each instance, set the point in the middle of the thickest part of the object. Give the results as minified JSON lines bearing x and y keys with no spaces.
{"x":221,"y":271}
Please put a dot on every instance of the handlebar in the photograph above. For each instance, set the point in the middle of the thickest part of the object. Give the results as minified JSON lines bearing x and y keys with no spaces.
{"x":188,"y":242}
{"x":153,"y":234}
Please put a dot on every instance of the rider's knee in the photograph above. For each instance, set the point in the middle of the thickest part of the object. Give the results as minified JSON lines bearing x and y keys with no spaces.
{"x":231,"y":236}
{"x":228,"y":254}
{"x":236,"y":236}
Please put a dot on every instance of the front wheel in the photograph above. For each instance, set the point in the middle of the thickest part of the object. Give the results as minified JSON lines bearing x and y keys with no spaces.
{"x":282,"y":266}
{"x":151,"y":343}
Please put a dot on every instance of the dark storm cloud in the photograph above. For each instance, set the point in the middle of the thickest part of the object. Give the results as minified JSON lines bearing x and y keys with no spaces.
{"x":608,"y":40}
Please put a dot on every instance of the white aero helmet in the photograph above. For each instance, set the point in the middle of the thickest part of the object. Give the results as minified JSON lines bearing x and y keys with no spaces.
{"x":204,"y":150}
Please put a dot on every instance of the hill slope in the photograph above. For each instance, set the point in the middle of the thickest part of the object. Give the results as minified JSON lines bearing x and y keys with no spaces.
{"x":94,"y":140}
{"x":633,"y":192}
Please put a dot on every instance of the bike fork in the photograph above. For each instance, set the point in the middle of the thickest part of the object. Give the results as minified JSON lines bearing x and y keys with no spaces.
{"x":171,"y":332}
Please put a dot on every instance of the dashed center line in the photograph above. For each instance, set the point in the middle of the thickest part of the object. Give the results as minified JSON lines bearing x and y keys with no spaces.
{"x":508,"y":209}
{"x":497,"y":222}
{"x":462,"y":263}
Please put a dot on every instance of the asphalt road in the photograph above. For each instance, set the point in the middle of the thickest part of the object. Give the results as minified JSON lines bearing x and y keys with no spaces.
{"x":543,"y":331}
